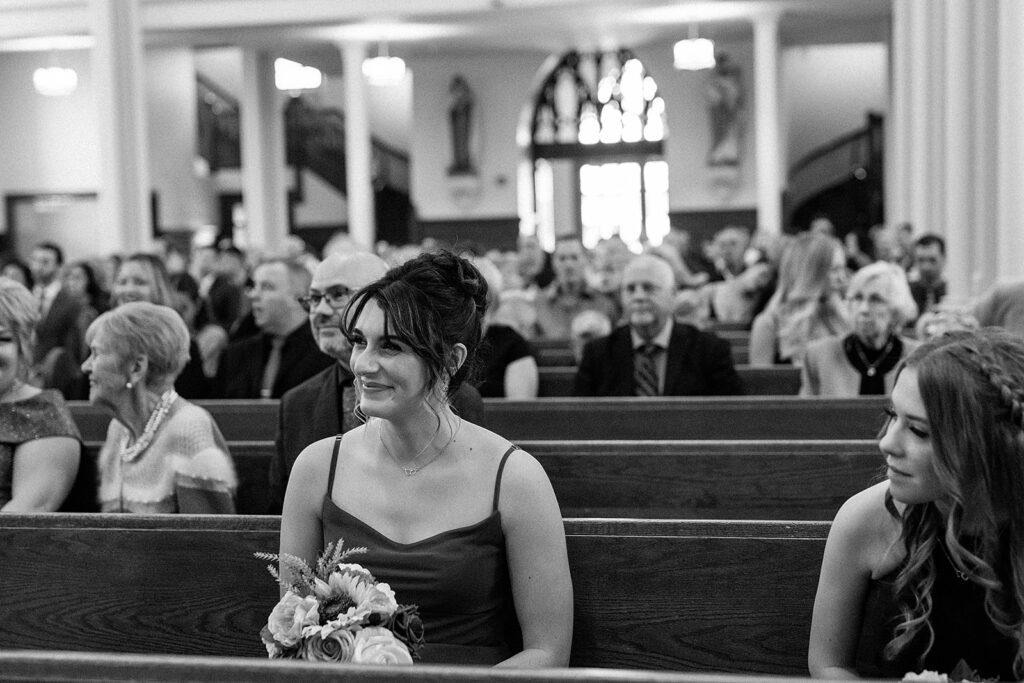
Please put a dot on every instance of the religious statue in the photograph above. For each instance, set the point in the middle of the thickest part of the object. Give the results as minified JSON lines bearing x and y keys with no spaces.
{"x":460,"y":115}
{"x":725,"y":104}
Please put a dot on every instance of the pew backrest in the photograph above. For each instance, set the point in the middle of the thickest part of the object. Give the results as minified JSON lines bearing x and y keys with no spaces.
{"x":648,"y":594}
{"x":733,"y":417}
{"x":805,"y":480}
{"x":779,"y":380}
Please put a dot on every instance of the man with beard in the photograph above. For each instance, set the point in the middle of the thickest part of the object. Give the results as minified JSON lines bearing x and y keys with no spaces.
{"x":653,"y":355}
{"x":324,"y":405}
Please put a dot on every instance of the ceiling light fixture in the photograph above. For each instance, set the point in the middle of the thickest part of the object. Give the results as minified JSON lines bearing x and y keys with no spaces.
{"x":293,"y":76}
{"x":694,"y":54}
{"x":383,"y":69}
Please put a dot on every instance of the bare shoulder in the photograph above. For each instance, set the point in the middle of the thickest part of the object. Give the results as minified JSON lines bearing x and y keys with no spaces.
{"x":315,"y":459}
{"x":866,"y":526}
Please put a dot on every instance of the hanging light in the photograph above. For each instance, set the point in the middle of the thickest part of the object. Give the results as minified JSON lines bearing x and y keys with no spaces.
{"x":383,"y":69}
{"x":694,"y":54}
{"x":293,"y":76}
{"x":53,"y":80}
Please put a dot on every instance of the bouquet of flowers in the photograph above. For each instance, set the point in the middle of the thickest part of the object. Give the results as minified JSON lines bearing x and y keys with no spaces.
{"x":961,"y":673}
{"x":337,"y":612}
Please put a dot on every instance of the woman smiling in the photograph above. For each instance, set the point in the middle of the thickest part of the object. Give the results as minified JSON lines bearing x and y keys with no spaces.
{"x":926,"y":570}
{"x":457,"y":520}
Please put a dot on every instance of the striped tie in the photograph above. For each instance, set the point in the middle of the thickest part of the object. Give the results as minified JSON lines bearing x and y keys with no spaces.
{"x":645,"y":372}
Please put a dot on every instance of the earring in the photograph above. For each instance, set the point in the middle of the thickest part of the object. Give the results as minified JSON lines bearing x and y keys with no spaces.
{"x":128,"y":385}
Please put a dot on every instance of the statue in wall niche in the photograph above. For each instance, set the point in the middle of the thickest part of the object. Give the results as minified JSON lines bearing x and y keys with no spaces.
{"x":725,"y":100}
{"x":460,"y":117}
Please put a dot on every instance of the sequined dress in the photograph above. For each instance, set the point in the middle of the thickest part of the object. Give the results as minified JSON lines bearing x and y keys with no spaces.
{"x":37,"y":417}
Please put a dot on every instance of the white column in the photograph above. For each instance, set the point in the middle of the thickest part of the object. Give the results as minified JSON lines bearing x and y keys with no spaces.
{"x":957,"y":183}
{"x":362,"y":226}
{"x":1009,"y":218}
{"x":124,"y":187}
{"x":264,"y":192}
{"x":766,"y":115}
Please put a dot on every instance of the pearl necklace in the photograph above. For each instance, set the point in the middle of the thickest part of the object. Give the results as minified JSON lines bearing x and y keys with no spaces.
{"x":409,"y":471}
{"x":156,"y":418}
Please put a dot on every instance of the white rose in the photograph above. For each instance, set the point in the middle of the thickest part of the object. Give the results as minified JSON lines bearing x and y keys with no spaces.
{"x":377,"y":645}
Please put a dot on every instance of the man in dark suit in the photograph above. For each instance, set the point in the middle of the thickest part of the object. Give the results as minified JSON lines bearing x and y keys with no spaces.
{"x":652,"y":355}
{"x":58,"y":326}
{"x":323,"y":405}
{"x":284,"y":352}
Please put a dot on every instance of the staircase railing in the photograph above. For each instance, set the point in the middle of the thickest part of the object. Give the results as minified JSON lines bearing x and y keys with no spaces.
{"x":857,"y":154}
{"x":218,"y":125}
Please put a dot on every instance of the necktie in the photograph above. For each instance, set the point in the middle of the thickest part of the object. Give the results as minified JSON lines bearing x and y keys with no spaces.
{"x":645,"y":372}
{"x":349,"y":402}
{"x":272,"y":367}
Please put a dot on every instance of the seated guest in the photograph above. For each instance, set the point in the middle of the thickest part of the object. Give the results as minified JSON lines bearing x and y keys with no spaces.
{"x":324,"y":405}
{"x":742,"y":280}
{"x":807,"y":303}
{"x":142,"y":277}
{"x":587,"y":326}
{"x":80,"y":281}
{"x":534,"y":263}
{"x":509,"y":369}
{"x":1002,"y":306}
{"x":924,"y":571}
{"x":929,"y":288}
{"x":458,"y":521}
{"x":569,"y":294}
{"x":162,"y":453}
{"x":17,"y":270}
{"x":283,"y":354}
{"x":652,"y":355}
{"x":864,"y":362}
{"x":40,"y":447}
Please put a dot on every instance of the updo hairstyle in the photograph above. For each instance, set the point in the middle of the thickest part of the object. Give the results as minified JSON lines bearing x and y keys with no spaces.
{"x":431,"y":303}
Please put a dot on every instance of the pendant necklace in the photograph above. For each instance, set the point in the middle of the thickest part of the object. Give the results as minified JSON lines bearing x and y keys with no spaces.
{"x":410,"y":471}
{"x":872,"y":368}
{"x":962,"y":575}
{"x":156,"y":418}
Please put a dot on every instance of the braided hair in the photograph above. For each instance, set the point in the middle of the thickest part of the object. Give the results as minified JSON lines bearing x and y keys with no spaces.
{"x":972,"y":387}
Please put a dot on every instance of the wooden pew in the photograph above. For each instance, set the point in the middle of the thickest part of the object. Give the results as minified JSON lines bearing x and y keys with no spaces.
{"x":734,"y":417}
{"x":778,"y":380}
{"x":679,"y":595}
{"x":559,"y":353}
{"x":27,"y":665}
{"x":783,"y":480}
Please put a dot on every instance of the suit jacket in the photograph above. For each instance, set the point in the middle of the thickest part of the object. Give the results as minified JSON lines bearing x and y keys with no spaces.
{"x":698,"y":364}
{"x":312,"y":411}
{"x":828,"y":372}
{"x":60,"y":326}
{"x":240,"y":372}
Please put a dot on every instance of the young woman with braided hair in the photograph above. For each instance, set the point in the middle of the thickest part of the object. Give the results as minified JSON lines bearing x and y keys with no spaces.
{"x":926,"y":569}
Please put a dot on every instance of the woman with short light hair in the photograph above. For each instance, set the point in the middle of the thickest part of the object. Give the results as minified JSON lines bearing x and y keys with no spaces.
{"x":864,"y":362}
{"x":162,"y":453}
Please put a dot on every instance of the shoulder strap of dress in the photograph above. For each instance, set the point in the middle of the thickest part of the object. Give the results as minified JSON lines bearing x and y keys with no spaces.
{"x":497,"y":479}
{"x":334,"y":464}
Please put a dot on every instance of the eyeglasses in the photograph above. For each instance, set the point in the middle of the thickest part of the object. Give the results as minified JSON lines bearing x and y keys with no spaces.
{"x":336,"y":297}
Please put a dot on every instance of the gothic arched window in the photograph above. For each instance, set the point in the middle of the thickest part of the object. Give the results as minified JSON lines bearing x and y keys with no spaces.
{"x":596,"y":138}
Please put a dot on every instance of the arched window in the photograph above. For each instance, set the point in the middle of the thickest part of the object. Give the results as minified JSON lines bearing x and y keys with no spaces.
{"x":595,"y":151}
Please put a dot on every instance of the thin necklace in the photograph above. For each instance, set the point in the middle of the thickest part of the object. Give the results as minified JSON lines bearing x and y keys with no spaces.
{"x":409,"y":471}
{"x":963,"y":576}
{"x":156,"y":418}
{"x":872,"y":367}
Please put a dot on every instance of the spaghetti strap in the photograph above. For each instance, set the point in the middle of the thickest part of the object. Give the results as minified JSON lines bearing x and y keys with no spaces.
{"x":334,"y":465}
{"x":497,"y":479}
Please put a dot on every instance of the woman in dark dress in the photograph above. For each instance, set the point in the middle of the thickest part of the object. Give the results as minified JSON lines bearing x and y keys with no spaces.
{"x":40,"y":447}
{"x":509,"y":369}
{"x":457,"y":520}
{"x":926,"y":570}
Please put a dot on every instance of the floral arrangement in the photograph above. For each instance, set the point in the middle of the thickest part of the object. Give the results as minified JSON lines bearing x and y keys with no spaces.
{"x":337,"y":612}
{"x":961,"y":673}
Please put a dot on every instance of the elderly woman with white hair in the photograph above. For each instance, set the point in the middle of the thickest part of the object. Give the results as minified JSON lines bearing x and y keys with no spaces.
{"x":162,"y":454}
{"x":865,"y":361}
